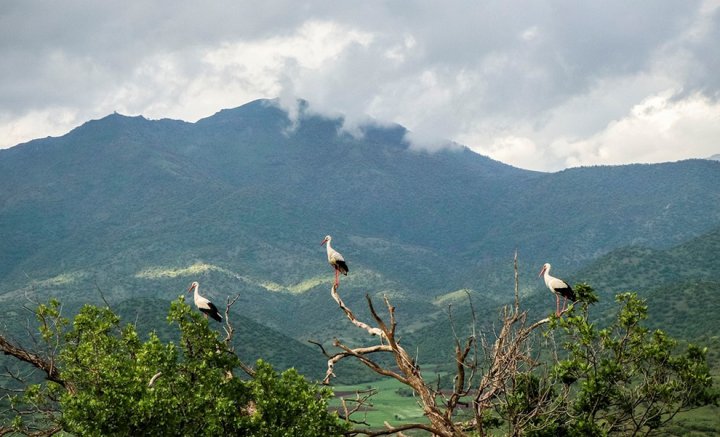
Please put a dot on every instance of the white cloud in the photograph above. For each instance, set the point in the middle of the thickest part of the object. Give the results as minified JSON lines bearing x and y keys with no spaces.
{"x":530,"y":33}
{"x":49,"y":121}
{"x":520,"y":151}
{"x":662,"y":127}
{"x":657,"y":129}
{"x":168,"y":85}
{"x":539,"y":87}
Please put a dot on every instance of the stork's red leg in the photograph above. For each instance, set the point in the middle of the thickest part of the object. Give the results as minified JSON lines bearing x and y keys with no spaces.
{"x":337,"y":278}
{"x":557,"y":305}
{"x":564,"y":302}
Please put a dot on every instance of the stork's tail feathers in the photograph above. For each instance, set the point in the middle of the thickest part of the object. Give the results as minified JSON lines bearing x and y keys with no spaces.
{"x":212,"y":312}
{"x":568,"y":293}
{"x":342,"y":267}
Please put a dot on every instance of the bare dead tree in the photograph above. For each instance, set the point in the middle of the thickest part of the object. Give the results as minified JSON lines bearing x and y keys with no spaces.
{"x":45,"y":412}
{"x":39,"y":418}
{"x":504,"y":360}
{"x":466,"y":363}
{"x":45,"y":362}
{"x":507,"y":357}
{"x":406,"y":371}
{"x":230,"y":331}
{"x":360,"y":403}
{"x":35,"y":360}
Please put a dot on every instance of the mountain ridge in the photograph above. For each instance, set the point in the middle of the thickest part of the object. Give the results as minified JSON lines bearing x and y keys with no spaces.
{"x":249,"y":192}
{"x":680,"y":285}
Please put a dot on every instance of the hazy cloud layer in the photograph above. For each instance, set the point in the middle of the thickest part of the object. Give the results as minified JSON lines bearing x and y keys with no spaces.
{"x":542,"y":85}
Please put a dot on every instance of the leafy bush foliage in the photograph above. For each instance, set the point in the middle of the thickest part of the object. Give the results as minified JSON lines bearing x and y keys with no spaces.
{"x":624,"y":379}
{"x":193,"y":389}
{"x":618,"y":378}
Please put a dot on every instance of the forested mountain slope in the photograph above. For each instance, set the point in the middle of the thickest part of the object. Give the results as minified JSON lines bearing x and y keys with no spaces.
{"x":241,"y":200}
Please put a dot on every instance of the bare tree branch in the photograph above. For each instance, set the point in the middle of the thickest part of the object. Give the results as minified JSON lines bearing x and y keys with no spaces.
{"x":230,"y":331}
{"x":154,"y":378}
{"x":517,"y":282}
{"x":362,"y":400}
{"x":228,"y":327}
{"x":351,"y":316}
{"x":507,"y":359}
{"x":407,"y":371}
{"x":47,"y":366}
{"x":102,"y":295}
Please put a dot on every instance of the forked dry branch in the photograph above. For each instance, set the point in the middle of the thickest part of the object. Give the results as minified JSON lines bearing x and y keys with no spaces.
{"x":508,"y":356}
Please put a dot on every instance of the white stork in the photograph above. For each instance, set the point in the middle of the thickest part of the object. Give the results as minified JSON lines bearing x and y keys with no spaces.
{"x":203,"y":304}
{"x":336,"y":260}
{"x":558,"y":287}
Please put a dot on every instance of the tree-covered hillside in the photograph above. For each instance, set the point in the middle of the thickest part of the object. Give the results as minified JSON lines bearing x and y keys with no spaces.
{"x":681,"y":285}
{"x":240,"y":201}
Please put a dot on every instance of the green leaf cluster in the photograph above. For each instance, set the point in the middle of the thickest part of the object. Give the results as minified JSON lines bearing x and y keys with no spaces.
{"x":194,"y":389}
{"x":625,"y":378}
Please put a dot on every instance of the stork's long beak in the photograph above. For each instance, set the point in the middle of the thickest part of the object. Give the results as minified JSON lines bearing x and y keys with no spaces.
{"x":324,"y":241}
{"x":190,"y":288}
{"x":541,"y":271}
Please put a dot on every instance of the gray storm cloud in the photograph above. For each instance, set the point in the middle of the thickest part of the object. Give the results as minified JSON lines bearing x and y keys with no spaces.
{"x":542,"y":85}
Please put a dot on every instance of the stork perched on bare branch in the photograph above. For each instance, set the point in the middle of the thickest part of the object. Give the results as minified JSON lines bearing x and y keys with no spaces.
{"x":203,"y":304}
{"x":335,"y":259}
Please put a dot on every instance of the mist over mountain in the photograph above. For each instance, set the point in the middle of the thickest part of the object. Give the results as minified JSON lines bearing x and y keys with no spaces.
{"x":240,"y":201}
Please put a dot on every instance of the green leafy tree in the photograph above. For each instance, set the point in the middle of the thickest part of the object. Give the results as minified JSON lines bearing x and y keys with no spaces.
{"x":615,"y":378}
{"x":112,"y":383}
{"x":626,"y":379}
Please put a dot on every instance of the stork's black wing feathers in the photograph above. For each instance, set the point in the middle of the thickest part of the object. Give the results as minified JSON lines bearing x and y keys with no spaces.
{"x":342,"y":267}
{"x":212,"y":312}
{"x":567,"y":292}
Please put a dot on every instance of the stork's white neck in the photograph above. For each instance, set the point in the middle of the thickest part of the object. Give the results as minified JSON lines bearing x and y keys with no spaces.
{"x":197,"y":298}
{"x":195,"y":292}
{"x":547,"y":277}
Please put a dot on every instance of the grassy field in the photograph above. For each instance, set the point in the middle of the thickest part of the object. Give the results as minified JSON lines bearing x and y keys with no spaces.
{"x":386,"y":405}
{"x":701,"y":422}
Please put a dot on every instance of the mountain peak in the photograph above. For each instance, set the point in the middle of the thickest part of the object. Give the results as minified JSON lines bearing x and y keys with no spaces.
{"x":257,"y":109}
{"x":113,"y":126}
{"x":249,"y":192}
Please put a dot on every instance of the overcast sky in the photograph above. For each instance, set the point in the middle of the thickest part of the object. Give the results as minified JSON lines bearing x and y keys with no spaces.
{"x":541,"y":85}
